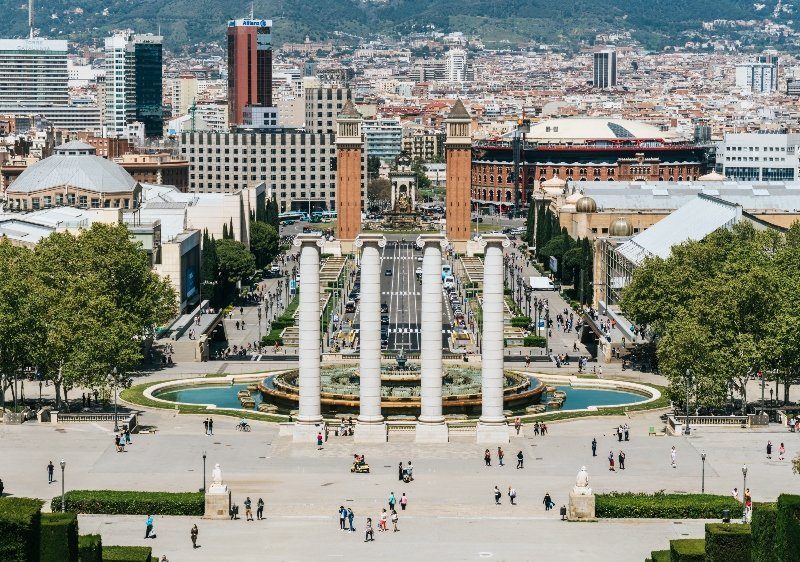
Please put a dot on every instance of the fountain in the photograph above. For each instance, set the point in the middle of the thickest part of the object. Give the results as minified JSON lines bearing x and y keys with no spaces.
{"x":403,"y":214}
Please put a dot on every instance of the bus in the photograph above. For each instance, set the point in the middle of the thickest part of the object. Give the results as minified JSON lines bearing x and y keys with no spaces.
{"x":290,"y":217}
{"x":324,"y":216}
{"x":447,"y":271}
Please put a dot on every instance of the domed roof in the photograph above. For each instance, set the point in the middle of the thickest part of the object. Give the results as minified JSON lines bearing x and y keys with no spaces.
{"x":574,"y":197}
{"x":620,"y":227}
{"x":77,"y":170}
{"x":555,"y":181}
{"x":712,"y":176}
{"x":586,"y":205}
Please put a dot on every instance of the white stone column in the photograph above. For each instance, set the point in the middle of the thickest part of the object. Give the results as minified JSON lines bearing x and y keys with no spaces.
{"x":309,"y":418}
{"x":431,"y":427}
{"x":492,"y":426}
{"x":371,"y":427}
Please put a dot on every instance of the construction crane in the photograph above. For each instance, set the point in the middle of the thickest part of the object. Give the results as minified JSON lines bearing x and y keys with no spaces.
{"x":192,"y":112}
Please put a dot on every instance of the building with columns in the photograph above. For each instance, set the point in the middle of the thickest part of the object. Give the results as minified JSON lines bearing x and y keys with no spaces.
{"x":458,"y":155}
{"x":349,"y":155}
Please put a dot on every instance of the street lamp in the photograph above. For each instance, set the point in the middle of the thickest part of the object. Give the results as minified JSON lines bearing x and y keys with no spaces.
{"x":688,"y":383}
{"x":63,"y":464}
{"x":204,"y":470}
{"x":744,"y":481}
{"x":114,"y":375}
{"x":703,"y":483}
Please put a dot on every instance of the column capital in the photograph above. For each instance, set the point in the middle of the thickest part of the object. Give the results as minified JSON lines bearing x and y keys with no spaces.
{"x":424,"y":239}
{"x":370,"y":238}
{"x":308,"y":238}
{"x":494,"y":238}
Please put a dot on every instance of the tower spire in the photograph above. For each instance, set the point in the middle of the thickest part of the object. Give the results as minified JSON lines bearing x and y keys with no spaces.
{"x":30,"y":17}
{"x":252,"y":9}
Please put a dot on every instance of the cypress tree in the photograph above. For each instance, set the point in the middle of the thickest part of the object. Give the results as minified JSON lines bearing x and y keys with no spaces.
{"x":225,"y":231}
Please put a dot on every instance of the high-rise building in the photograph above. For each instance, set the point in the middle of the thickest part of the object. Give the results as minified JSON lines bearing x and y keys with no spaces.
{"x":383,"y":137}
{"x":455,"y":65}
{"x":605,"y":68}
{"x":761,"y":77}
{"x":133,"y":85}
{"x":249,"y":66}
{"x":33,"y":72}
{"x":184,"y":92}
{"x":323,"y":105}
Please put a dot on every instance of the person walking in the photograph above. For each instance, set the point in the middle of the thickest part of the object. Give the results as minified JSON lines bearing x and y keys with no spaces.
{"x":205,"y":425}
{"x":403,"y":501}
{"x":497,"y":495}
{"x":148,"y":526}
{"x":517,"y":424}
{"x":400,"y":471}
{"x":211,"y":426}
{"x":319,"y":440}
{"x":369,"y":534}
{"x":384,"y":518}
{"x":260,"y":509}
{"x":350,"y":517}
{"x":673,"y":455}
{"x":500,"y":455}
{"x":342,"y":517}
{"x":781,"y":452}
{"x":548,"y":502}
{"x":193,"y":534}
{"x":50,"y":469}
{"x":512,"y":495}
{"x":621,"y":459}
{"x":611,"y":461}
{"x":487,"y":458}
{"x":594,"y":447}
{"x":619,"y":434}
{"x":627,"y":430}
{"x":769,"y":449}
{"x":520,"y":460}
{"x":394,"y":521}
{"x":248,"y":509}
{"x":392,"y":501}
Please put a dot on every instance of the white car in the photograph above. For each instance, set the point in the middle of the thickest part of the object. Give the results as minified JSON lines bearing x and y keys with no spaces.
{"x":449,"y":282}
{"x":419,"y":271}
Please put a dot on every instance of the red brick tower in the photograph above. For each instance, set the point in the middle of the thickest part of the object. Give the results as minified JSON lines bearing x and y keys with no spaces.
{"x":458,"y":153}
{"x":349,"y":153}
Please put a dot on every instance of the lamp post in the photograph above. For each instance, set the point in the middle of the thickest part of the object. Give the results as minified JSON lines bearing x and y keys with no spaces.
{"x":63,"y":464}
{"x":688,"y":384}
{"x":744,"y":481}
{"x":259,"y":323}
{"x":204,"y":471}
{"x":703,"y":481}
{"x":114,"y":377}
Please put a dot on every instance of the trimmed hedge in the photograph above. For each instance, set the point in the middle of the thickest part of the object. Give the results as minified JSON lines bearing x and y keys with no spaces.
{"x":127,"y":554}
{"x":115,"y":502}
{"x":660,"y":556}
{"x":20,"y":529}
{"x":788,"y":527}
{"x":90,"y":548}
{"x":687,"y":550}
{"x":521,"y":321}
{"x":728,"y":541}
{"x":59,"y":537}
{"x":534,"y":341}
{"x":664,"y":506}
{"x":762,"y":527}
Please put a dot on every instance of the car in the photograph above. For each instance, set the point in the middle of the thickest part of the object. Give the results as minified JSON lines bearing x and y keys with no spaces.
{"x":419,"y":258}
{"x":419,"y":271}
{"x":384,"y":307}
{"x":459,"y":316}
{"x":350,"y":306}
{"x":385,"y":319}
{"x":388,"y":273}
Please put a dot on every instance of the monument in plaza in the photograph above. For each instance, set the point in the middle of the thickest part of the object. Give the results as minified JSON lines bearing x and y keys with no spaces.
{"x":218,"y":497}
{"x":403,"y":212}
{"x":581,"y":499}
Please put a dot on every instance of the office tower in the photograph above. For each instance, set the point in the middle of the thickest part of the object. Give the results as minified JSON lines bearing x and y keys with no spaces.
{"x":761,"y":76}
{"x":119,"y":110}
{"x":33,"y":72}
{"x":249,"y":66}
{"x":455,"y":64}
{"x":605,"y":68}
{"x":323,"y":105}
{"x":184,"y":92}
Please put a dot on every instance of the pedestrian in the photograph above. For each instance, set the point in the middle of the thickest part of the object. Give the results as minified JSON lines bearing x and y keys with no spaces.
{"x":248,"y":509}
{"x":611,"y":461}
{"x":594,"y":447}
{"x":260,"y":509}
{"x":500,"y":455}
{"x":369,"y":534}
{"x":193,"y":534}
{"x":673,"y":455}
{"x":403,"y":501}
{"x":319,"y":440}
{"x":342,"y":517}
{"x":735,"y":494}
{"x":350,"y":517}
{"x":128,"y":435}
{"x":394,"y":521}
{"x":627,"y":431}
{"x":517,"y":424}
{"x":116,"y":442}
{"x":50,"y":469}
{"x":392,"y":501}
{"x":548,"y":502}
{"x":83,"y":399}
{"x":527,"y":361}
{"x":621,"y":458}
{"x":497,"y":495}
{"x":1,"y":488}
{"x":619,"y":434}
{"x":384,"y":518}
{"x":536,"y":428}
{"x":512,"y":495}
{"x":769,"y":449}
{"x":543,"y":428}
{"x":487,"y":458}
{"x":148,"y":526}
{"x":520,"y":460}
{"x":211,"y":426}
{"x":781,"y":452}
{"x":400,"y":470}
{"x":205,"y":425}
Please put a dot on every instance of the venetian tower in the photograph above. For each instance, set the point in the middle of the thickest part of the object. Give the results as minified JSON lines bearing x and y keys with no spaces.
{"x":458,"y":154}
{"x":349,"y":154}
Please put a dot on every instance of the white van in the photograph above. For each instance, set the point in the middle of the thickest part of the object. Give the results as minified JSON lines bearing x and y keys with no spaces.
{"x":449,"y":282}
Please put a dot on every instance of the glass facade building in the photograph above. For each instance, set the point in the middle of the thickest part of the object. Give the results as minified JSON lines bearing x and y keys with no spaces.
{"x":148,"y":70}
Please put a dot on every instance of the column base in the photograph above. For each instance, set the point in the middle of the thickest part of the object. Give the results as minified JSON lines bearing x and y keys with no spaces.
{"x":371,"y":433}
{"x":581,"y":508}
{"x":218,"y":505}
{"x":432,"y":433}
{"x":492,"y":434}
{"x":307,"y":432}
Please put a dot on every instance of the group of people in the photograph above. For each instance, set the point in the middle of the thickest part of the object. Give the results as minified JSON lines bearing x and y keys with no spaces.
{"x":405,"y":473}
{"x":487,"y":457}
{"x":512,"y":495}
{"x":208,"y":424}
{"x":346,"y":518}
{"x":781,"y":451}
{"x":620,"y":458}
{"x":86,"y":399}
{"x":121,"y":439}
{"x":623,"y":431}
{"x":248,"y":509}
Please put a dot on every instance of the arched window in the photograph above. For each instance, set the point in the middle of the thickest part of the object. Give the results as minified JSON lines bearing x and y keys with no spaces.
{"x":491,"y":179}
{"x":610,"y":179}
{"x":671,"y":178}
{"x":508,"y":195}
{"x":542,"y":179}
{"x":680,"y":178}
{"x":510,"y":178}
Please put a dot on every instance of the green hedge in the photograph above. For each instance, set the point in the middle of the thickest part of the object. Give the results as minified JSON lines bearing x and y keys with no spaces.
{"x":59,"y":537}
{"x":660,"y":556}
{"x":20,"y":529}
{"x":687,"y":550}
{"x":521,"y":321}
{"x":534,"y":341}
{"x":90,"y":548}
{"x":127,"y":554}
{"x":726,"y":542}
{"x":788,"y":527}
{"x":664,"y":506}
{"x":116,"y":502}
{"x":762,"y":526}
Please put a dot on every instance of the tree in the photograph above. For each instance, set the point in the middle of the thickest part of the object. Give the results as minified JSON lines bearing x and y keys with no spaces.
{"x":209,"y":269}
{"x":235,"y":264}
{"x":380,"y":189}
{"x":272,"y":213}
{"x":373,"y":167}
{"x":263,"y":243}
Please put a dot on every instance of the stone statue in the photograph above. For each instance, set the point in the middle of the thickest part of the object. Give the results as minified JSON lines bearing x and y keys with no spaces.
{"x":582,"y":483}
{"x":217,"y":487}
{"x":216,"y":474}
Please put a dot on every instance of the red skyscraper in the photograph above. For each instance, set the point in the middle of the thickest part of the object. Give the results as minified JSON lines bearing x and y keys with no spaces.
{"x":249,"y":66}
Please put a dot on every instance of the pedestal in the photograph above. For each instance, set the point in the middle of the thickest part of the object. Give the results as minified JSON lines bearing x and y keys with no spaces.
{"x":370,"y":433}
{"x":307,"y":433}
{"x":492,"y":434}
{"x":432,"y":433}
{"x":581,"y":507}
{"x":218,"y":504}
